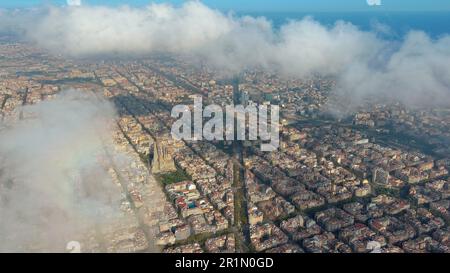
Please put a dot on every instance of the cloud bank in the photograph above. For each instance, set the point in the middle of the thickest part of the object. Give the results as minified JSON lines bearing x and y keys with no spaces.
{"x":52,"y":185}
{"x":413,"y":69}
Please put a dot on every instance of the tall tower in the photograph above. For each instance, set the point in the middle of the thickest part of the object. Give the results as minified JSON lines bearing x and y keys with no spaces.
{"x":236,"y":91}
{"x":162,"y":158}
{"x":244,"y":98}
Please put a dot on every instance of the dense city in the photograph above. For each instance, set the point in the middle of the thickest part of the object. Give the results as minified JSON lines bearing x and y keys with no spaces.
{"x":369,"y":179}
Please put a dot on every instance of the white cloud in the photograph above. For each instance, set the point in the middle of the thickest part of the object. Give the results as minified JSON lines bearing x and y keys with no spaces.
{"x":418,"y":73}
{"x":74,"y":2}
{"x":360,"y":60}
{"x":374,"y":2}
{"x":43,"y":161}
{"x":106,"y":30}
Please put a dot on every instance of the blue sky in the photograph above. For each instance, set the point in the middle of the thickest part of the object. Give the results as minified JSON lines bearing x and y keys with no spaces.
{"x":271,"y":5}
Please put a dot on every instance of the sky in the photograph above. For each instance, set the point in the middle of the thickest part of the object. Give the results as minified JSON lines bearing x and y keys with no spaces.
{"x":271,"y":5}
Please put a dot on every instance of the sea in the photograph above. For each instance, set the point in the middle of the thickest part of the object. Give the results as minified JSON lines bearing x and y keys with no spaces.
{"x":435,"y":24}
